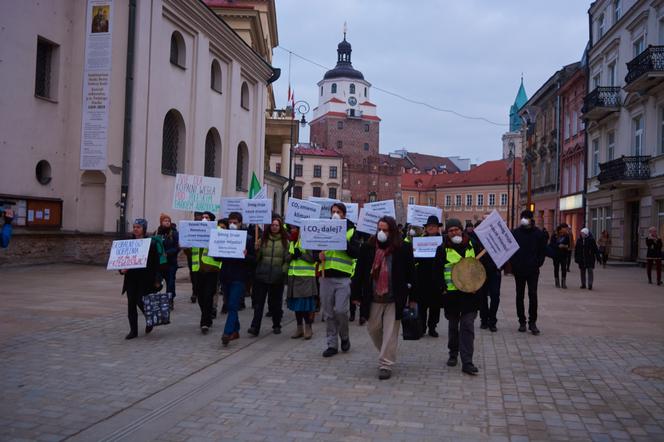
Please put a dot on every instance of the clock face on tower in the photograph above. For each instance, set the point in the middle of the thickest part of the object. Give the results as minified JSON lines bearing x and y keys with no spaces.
{"x":352,"y":101}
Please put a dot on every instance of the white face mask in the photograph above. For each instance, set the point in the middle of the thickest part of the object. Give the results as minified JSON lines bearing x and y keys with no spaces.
{"x":412,"y":232}
{"x":456,"y":239}
{"x":525,"y":222}
{"x":336,"y":216}
{"x":381,"y":236}
{"x":232,"y":226}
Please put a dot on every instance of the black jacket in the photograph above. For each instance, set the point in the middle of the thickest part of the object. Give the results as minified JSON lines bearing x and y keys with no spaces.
{"x":586,"y":252}
{"x":425,"y":270}
{"x":171,"y":239}
{"x":352,"y":249}
{"x":143,"y":281}
{"x":236,"y":269}
{"x":555,"y":243}
{"x":532,"y":251}
{"x":455,"y":301}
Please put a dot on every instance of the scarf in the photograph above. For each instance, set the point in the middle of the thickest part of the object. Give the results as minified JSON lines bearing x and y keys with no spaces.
{"x":379,"y":271}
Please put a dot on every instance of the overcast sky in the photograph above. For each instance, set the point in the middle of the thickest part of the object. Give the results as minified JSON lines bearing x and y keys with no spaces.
{"x":462,"y":55}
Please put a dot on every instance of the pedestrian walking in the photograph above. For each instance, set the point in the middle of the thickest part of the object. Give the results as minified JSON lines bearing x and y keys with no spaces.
{"x":489,"y":293}
{"x":171,"y":240}
{"x":570,"y":250}
{"x":385,"y":277}
{"x":654,"y":255}
{"x":585,"y":253}
{"x":198,"y":216}
{"x":604,"y":244}
{"x":460,"y":307}
{"x":526,"y":263}
{"x":559,"y":246}
{"x":205,"y":270}
{"x":427,"y":278}
{"x":302,"y":289}
{"x":6,"y":229}
{"x":338,"y":267}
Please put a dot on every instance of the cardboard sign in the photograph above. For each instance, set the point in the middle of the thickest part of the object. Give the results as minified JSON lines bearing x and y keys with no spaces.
{"x":497,"y":238}
{"x":425,"y":246}
{"x":352,"y":211}
{"x":129,"y":254}
{"x":298,"y":211}
{"x":231,"y":204}
{"x":323,"y":234}
{"x":197,"y":193}
{"x":417,"y":215}
{"x":195,"y":233}
{"x":325,"y":205}
{"x":227,"y":243}
{"x":385,"y":208}
{"x":256,"y":211}
{"x":368,"y":221}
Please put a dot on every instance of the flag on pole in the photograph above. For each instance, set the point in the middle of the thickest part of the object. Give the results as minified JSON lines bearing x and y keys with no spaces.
{"x":255,"y":187}
{"x":291,"y":101}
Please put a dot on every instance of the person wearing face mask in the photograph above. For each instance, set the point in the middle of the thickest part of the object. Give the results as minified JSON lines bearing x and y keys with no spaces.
{"x":526,"y":263}
{"x":460,"y":307}
{"x":429,"y":297}
{"x":585,"y":254}
{"x":338,"y":267}
{"x":653,"y":255}
{"x":385,"y":280}
{"x":205,"y":270}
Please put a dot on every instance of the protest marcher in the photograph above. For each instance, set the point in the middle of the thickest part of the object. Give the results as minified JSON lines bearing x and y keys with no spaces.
{"x":206,"y":271}
{"x":139,"y":282}
{"x":570,"y":250}
{"x":6,"y":234}
{"x":170,"y":237}
{"x":490,"y":291}
{"x":585,"y":253}
{"x":427,"y":293}
{"x":470,"y":228}
{"x":234,"y":276}
{"x":654,"y":255}
{"x":302,"y":291}
{"x":385,"y":278}
{"x":559,"y":245}
{"x":198,"y":216}
{"x":460,"y":307}
{"x":604,"y":244}
{"x":271,"y":268}
{"x":219,"y":293}
{"x":526,"y":263}
{"x":338,"y":267}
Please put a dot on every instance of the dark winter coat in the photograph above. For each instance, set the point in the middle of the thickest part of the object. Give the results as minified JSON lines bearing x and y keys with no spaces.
{"x":455,"y":301}
{"x":532,"y":251}
{"x":272,"y":261}
{"x":143,"y":281}
{"x":425,"y":272}
{"x":171,"y":239}
{"x":586,"y":252}
{"x":239,"y":269}
{"x":555,"y":243}
{"x":654,"y":248}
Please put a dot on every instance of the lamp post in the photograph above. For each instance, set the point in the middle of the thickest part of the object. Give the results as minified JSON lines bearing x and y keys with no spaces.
{"x":512,"y":158}
{"x":302,"y":108}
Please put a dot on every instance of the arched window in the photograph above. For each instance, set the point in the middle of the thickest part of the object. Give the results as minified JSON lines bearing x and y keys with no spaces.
{"x":212,"y":165}
{"x":365,"y":91}
{"x":215,"y":76}
{"x":321,"y":91}
{"x":178,"y":50}
{"x":172,"y":143}
{"x":334,"y":88}
{"x":244,"y":96}
{"x":352,"y":88}
{"x":242,"y":170}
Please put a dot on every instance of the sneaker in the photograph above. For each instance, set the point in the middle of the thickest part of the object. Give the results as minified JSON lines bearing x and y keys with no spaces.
{"x":470,"y":369}
{"x":493,"y":328}
{"x":345,"y":345}
{"x":522,"y":328}
{"x":452,"y":361}
{"x":384,"y":373}
{"x":533,"y":329}
{"x":433,"y":333}
{"x":148,"y":329}
{"x":276,"y":330}
{"x":205,"y":329}
{"x":252,"y":331}
{"x":484,"y":326}
{"x":330,"y":352}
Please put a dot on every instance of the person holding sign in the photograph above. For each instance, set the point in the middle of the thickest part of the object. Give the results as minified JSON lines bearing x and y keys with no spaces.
{"x":337,"y":269}
{"x":302,"y":287}
{"x":169,"y":235}
{"x":139,"y":282}
{"x":205,"y":270}
{"x":383,"y":286}
{"x":490,"y":291}
{"x":429,"y":307}
{"x":460,"y":307}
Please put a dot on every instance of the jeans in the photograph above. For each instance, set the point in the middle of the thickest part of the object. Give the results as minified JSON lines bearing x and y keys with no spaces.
{"x":490,"y":298}
{"x":274,"y":294}
{"x":560,"y":263}
{"x":583,"y":276}
{"x":205,"y":286}
{"x":521,"y":282}
{"x":170,"y":279}
{"x":461,"y":335}
{"x":235,"y":291}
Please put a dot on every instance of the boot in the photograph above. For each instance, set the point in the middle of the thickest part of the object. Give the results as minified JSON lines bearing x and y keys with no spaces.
{"x":563,"y":283}
{"x":557,"y":283}
{"x":308,"y":332}
{"x":298,"y":333}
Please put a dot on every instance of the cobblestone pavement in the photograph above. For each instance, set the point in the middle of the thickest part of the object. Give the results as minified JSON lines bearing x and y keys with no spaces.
{"x":595,"y":373}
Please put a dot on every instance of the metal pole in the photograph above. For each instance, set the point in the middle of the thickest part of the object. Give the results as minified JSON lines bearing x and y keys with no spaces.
{"x":290,"y":158}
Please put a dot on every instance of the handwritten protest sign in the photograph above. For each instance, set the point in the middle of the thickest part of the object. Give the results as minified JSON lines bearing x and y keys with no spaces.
{"x":417,"y":215}
{"x":231,"y":204}
{"x":299,"y":210}
{"x":197,"y":193}
{"x":323,"y":234}
{"x":195,"y":233}
{"x":352,"y":211}
{"x":425,"y":246}
{"x":129,"y":254}
{"x":385,"y":208}
{"x":325,"y":205}
{"x":227,"y":243}
{"x":368,"y":221}
{"x":256,"y":211}
{"x":497,"y":238}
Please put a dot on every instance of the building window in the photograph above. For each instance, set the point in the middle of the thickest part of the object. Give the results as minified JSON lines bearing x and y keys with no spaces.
{"x":469,"y":200}
{"x":492,"y":199}
{"x":340,"y":144}
{"x":595,"y":157}
{"x":45,"y":78}
{"x":575,"y":123}
{"x":638,"y":46}
{"x":366,"y":146}
{"x":352,"y":88}
{"x":457,"y":200}
{"x":297,"y":192}
{"x":661,"y":129}
{"x":565,"y":183}
{"x":215,"y":76}
{"x":660,"y":217}
{"x":321,"y":91}
{"x":411,"y":200}
{"x":298,"y":170}
{"x":600,"y":219}
{"x":242,"y":168}
{"x":333,"y":171}
{"x":244,"y":96}
{"x":503,"y":199}
{"x":617,"y":13}
{"x":600,"y":26}
{"x":610,"y":145}
{"x":448,"y":200}
{"x":316,"y":191}
{"x":172,"y":144}
{"x":566,"y":127}
{"x":365,"y":91}
{"x":212,"y":166}
{"x":367,"y":127}
{"x":340,"y":124}
{"x":573,"y":175}
{"x":430,"y":200}
{"x":637,"y":125}
{"x":318,"y":171}
{"x":372,"y":197}
{"x":332,"y":193}
{"x":611,"y":70}
{"x":178,"y":51}
{"x":278,"y":169}
{"x":334,"y":88}
{"x":597,"y":80}
{"x":480,"y":200}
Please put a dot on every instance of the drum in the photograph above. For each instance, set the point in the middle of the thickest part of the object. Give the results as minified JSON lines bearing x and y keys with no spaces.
{"x":468,"y":275}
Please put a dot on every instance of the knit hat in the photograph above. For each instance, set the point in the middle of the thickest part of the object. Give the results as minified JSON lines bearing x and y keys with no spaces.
{"x":143,"y":223}
{"x":585,"y":231}
{"x":453,"y":222}
{"x":163,"y":216}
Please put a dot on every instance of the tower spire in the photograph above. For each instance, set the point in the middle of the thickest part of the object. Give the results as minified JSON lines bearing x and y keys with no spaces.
{"x":345,"y":29}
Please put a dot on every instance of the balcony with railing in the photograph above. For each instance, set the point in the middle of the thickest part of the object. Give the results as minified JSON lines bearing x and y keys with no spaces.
{"x":602,"y":101}
{"x":646,"y":70}
{"x":624,"y":170}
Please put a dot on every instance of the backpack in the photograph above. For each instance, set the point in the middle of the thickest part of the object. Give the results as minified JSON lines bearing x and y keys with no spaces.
{"x":161,"y":252}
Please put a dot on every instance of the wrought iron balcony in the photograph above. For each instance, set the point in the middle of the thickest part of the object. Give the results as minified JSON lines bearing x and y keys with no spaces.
{"x":600,"y":102}
{"x":631,"y":168}
{"x":645,"y":70}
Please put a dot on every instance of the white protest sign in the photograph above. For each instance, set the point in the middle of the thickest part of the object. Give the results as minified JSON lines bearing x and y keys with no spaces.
{"x":227,"y":243}
{"x":352,"y":211}
{"x":197,"y":193}
{"x":385,"y":208}
{"x":299,"y":210}
{"x":497,"y":238}
{"x":195,"y":233}
{"x":231,"y":204}
{"x":325,"y":205}
{"x":256,"y":211}
{"x":129,"y":254}
{"x":425,"y":246}
{"x":368,"y":221}
{"x":323,"y":234}
{"x":417,"y":215}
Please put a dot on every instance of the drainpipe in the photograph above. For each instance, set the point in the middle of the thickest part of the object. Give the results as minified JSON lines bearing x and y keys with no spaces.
{"x":126,"y":139}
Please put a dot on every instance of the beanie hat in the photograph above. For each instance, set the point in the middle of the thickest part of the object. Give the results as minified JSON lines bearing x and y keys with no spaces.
{"x":453,"y":222}
{"x":164,"y":216}
{"x":143,"y":223}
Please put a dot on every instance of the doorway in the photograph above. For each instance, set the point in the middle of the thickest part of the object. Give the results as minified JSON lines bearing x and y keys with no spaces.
{"x":634,"y":215}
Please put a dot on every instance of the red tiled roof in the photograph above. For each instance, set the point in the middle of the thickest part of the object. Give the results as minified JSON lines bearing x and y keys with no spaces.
{"x":424,"y":162}
{"x":334,"y":100}
{"x":370,"y":117}
{"x":368,"y":103}
{"x":487,"y":173}
{"x":410,"y":181}
{"x":316,"y":152}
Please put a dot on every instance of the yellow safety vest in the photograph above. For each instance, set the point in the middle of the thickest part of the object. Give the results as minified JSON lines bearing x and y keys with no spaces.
{"x":300,"y":267}
{"x":199,"y":255}
{"x":453,"y":257}
{"x":339,"y":259}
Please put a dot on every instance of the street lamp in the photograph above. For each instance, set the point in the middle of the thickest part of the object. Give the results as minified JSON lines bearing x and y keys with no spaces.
{"x":512,"y":170}
{"x":302,"y":108}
